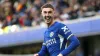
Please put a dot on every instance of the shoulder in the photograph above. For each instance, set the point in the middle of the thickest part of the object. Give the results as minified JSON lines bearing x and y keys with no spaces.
{"x":61,"y":25}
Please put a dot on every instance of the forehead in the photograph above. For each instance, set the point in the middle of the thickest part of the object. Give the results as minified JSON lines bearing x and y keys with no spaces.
{"x":47,"y":9}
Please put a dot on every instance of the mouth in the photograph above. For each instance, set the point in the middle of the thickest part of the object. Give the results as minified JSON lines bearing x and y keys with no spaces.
{"x":47,"y":19}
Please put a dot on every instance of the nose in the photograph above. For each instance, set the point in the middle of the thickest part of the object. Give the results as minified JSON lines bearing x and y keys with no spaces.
{"x":47,"y":14}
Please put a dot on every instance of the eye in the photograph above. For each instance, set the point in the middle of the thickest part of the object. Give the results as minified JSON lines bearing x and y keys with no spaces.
{"x":50,"y":12}
{"x":45,"y":12}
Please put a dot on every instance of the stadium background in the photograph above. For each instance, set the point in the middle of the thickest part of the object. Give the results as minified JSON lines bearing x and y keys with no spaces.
{"x":22,"y":27}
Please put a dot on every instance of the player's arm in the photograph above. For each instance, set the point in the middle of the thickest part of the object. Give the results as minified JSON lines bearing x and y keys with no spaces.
{"x":43,"y":50}
{"x":74,"y":42}
{"x":72,"y":46}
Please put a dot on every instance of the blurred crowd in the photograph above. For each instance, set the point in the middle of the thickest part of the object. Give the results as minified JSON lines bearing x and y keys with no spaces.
{"x":15,"y":14}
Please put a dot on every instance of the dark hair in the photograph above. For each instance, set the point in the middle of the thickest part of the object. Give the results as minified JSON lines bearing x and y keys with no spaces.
{"x":47,"y":5}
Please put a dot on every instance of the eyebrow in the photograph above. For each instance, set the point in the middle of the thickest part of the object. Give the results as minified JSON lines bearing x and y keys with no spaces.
{"x":47,"y":11}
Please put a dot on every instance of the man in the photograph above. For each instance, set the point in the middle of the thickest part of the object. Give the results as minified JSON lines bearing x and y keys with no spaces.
{"x":56,"y":35}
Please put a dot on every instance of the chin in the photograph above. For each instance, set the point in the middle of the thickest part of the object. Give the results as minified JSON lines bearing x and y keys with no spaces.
{"x":48,"y":22}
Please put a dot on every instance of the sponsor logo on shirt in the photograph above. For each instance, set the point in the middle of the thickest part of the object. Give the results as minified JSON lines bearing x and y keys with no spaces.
{"x":50,"y":42}
{"x":65,"y":29}
{"x":51,"y":34}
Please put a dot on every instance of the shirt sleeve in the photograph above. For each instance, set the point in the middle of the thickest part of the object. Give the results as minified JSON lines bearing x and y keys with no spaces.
{"x":43,"y":50}
{"x":74,"y":42}
{"x":65,"y":32}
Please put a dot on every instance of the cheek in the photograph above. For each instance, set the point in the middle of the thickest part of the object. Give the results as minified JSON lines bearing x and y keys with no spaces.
{"x":43,"y":14}
{"x":52,"y":14}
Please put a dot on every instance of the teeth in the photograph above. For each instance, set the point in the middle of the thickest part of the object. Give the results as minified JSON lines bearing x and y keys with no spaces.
{"x":47,"y":18}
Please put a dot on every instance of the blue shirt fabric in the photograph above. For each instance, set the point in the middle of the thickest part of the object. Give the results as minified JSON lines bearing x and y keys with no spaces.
{"x":55,"y":40}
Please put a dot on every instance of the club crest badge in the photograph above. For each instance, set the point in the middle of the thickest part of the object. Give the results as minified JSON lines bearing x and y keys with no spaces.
{"x":51,"y":34}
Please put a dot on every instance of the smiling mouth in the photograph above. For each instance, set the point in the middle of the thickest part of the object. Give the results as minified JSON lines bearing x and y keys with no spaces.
{"x":47,"y":17}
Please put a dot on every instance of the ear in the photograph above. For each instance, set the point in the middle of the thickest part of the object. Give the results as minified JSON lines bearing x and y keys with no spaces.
{"x":41,"y":12}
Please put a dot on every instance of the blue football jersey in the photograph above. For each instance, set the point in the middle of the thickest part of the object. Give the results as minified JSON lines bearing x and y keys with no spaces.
{"x":55,"y":40}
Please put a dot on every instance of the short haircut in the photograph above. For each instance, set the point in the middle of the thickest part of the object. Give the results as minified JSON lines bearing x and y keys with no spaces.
{"x":47,"y":5}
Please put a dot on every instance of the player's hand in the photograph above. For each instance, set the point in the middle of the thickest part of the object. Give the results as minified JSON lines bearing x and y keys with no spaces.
{"x":36,"y":54}
{"x":60,"y":54}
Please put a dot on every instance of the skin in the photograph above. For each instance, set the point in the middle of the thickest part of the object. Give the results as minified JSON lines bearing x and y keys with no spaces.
{"x":48,"y":16}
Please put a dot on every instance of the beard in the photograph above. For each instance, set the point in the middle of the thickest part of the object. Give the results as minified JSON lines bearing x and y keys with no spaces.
{"x":48,"y":19}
